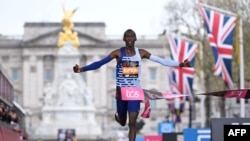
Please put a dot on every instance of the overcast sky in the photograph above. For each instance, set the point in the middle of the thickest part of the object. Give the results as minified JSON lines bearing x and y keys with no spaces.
{"x":144,"y":16}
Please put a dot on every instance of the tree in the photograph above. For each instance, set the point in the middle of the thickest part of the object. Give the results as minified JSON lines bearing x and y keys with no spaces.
{"x":182,"y":18}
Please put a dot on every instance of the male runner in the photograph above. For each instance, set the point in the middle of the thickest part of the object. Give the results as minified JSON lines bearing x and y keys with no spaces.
{"x":128,"y":74}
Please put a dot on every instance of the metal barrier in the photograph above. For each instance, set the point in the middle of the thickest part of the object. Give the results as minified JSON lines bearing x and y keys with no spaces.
{"x":7,"y":134}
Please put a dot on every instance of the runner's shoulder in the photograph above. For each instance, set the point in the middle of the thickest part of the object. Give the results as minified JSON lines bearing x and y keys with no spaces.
{"x":115,"y":54}
{"x":144,"y":53}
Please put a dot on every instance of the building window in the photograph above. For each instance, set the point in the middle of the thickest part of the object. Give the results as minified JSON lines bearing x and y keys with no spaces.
{"x":153,"y":104}
{"x":33,"y":69}
{"x":238,"y":101}
{"x":5,"y":58}
{"x":113,"y":102}
{"x":113,"y":74}
{"x":48,"y":74}
{"x":83,"y":75}
{"x":16,"y":98}
{"x":14,"y":74}
{"x":152,"y":73}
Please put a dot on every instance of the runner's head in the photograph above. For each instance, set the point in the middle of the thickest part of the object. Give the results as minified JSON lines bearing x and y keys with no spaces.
{"x":129,"y":38}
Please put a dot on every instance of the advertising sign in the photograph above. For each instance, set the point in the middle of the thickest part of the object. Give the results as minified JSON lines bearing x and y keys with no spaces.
{"x":165,"y":127}
{"x":197,"y":134}
{"x":217,"y":126}
{"x":152,"y":138}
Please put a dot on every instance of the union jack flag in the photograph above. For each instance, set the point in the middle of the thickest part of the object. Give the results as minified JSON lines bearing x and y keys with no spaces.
{"x":220,"y":29}
{"x":181,"y":79}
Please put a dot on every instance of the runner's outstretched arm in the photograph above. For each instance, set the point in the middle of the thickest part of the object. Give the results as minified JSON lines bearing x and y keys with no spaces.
{"x":97,"y":64}
{"x":164,"y":61}
{"x":92,"y":66}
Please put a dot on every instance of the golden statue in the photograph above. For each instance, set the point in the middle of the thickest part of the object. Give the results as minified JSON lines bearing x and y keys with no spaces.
{"x":68,"y":35}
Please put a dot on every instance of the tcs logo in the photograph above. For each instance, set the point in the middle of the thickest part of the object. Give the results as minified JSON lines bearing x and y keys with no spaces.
{"x":132,"y":93}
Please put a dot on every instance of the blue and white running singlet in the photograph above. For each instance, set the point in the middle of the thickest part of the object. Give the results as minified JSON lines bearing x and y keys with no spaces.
{"x":128,"y":69}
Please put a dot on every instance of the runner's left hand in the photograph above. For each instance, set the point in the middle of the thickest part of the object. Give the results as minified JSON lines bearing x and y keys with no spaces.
{"x":186,"y":63}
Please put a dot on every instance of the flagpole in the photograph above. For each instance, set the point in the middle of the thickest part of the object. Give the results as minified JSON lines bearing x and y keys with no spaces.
{"x":185,"y":38}
{"x":242,"y":79}
{"x":218,"y":9}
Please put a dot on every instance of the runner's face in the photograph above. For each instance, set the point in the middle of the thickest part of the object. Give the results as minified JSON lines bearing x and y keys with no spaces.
{"x":130,"y":39}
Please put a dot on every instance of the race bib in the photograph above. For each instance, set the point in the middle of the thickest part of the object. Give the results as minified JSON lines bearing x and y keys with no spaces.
{"x":130,"y":69}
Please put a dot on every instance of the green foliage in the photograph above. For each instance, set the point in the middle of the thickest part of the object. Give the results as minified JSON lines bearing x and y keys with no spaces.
{"x":195,"y":31}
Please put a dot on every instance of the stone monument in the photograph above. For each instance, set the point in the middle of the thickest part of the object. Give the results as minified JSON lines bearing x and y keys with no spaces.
{"x":68,"y":101}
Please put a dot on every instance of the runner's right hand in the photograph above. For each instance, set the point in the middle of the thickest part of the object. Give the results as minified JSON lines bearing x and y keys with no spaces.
{"x":76,"y":69}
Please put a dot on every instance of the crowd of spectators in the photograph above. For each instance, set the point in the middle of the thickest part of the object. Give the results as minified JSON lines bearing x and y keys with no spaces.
{"x":9,"y":117}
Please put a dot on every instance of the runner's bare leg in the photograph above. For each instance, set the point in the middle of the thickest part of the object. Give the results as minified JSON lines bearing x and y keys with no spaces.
{"x":132,"y":125}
